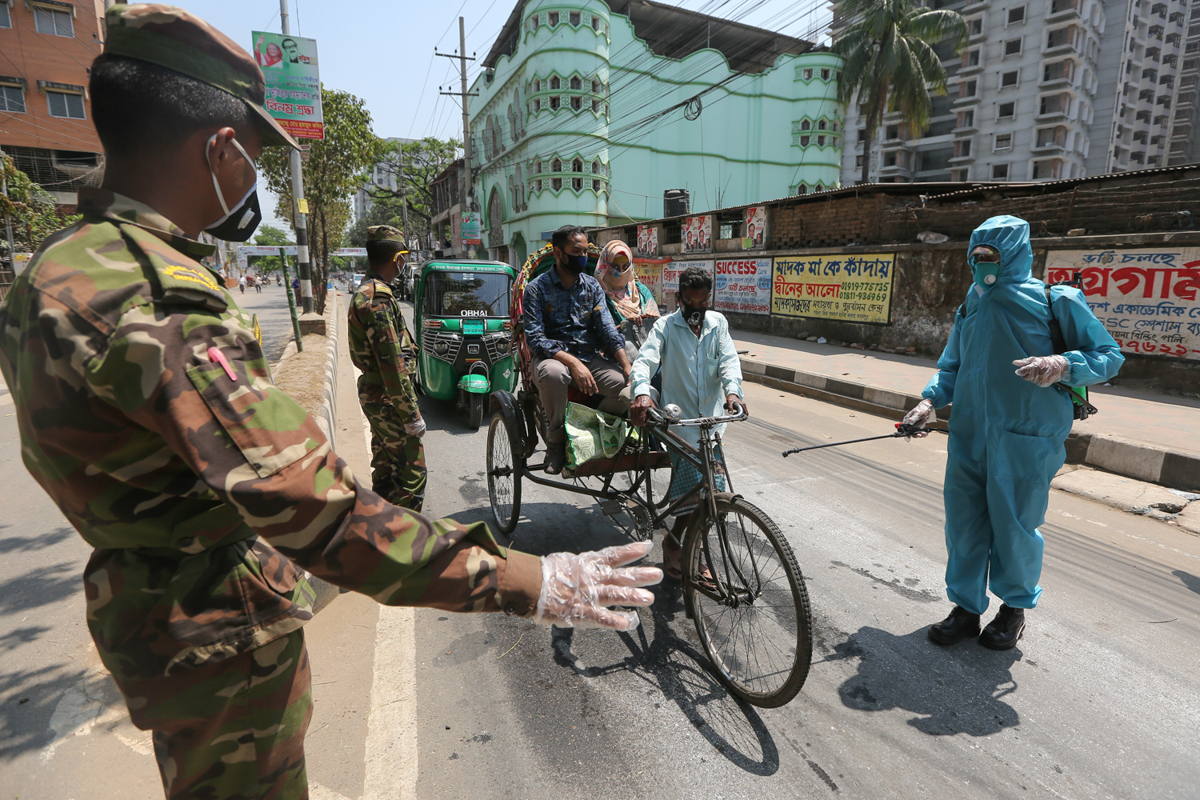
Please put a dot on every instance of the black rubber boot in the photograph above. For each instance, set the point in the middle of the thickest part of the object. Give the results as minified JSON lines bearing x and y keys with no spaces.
{"x":1003,"y":632}
{"x":961,"y":624}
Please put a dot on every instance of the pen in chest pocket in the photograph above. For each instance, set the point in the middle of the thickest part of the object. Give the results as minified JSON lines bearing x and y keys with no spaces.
{"x":215,"y":356}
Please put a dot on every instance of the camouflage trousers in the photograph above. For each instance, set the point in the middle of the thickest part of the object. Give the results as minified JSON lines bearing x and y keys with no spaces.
{"x":233,"y":730}
{"x":397,"y":460}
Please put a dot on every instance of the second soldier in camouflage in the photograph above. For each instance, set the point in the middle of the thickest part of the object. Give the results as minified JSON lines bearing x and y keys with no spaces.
{"x":380,"y":346}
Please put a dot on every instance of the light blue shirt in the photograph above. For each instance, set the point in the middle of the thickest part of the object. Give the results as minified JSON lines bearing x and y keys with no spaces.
{"x":697,"y":373}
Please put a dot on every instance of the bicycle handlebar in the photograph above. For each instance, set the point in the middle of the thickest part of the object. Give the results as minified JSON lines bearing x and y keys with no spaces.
{"x":658,"y":416}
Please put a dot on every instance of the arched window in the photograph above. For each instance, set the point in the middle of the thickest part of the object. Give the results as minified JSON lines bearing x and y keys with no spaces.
{"x":537,"y":166}
{"x":537,"y":106}
{"x":804,"y":140}
{"x":577,"y":165}
{"x":596,"y":86}
{"x":576,"y":103}
{"x":555,"y":83}
{"x":820,"y":141}
{"x":597,"y":186}
{"x":552,"y":18}
{"x":595,"y":23}
{"x":822,"y":125}
{"x":573,"y":17}
{"x":805,"y":125}
{"x":556,"y":166}
{"x":576,"y":83}
{"x":554,"y":103}
{"x":556,"y":184}
{"x":596,"y":106}
{"x":537,"y":84}
{"x":596,"y":168}
{"x":534,"y":20}
{"x":820,"y":188}
{"x":577,"y":184}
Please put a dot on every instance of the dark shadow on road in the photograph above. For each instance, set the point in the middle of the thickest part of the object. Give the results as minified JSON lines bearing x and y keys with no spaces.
{"x":28,"y":699}
{"x":1189,"y":580}
{"x":951,"y":690}
{"x":39,"y":587}
{"x":28,"y":544}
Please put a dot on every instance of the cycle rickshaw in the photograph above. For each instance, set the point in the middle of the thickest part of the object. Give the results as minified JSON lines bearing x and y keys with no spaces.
{"x":741,"y":584}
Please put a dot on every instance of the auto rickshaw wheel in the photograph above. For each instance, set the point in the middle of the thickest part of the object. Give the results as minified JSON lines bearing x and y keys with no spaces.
{"x":504,"y":470}
{"x":474,"y":410}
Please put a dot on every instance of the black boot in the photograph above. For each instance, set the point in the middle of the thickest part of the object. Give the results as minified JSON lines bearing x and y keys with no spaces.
{"x":961,"y":624}
{"x":1003,"y":632}
{"x":556,"y":457}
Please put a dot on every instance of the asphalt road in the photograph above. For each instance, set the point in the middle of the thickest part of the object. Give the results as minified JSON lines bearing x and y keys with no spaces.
{"x":1100,"y":700}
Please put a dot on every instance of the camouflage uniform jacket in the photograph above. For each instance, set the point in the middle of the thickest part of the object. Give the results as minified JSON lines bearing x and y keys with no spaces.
{"x":379,"y":346}
{"x":173,"y":468}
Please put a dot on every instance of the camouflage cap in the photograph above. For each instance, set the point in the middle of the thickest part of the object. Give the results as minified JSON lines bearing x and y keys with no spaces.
{"x":383,"y":233}
{"x":178,"y":40}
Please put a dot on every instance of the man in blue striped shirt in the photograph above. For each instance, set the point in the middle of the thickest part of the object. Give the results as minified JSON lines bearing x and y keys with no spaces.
{"x":570,"y":332}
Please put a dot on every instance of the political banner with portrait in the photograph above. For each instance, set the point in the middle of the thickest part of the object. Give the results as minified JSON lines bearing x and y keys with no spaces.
{"x":743,"y":285}
{"x":671,"y":272}
{"x":1146,"y":298}
{"x":851,"y":288}
{"x":755,"y":228}
{"x":649,"y":273}
{"x":289,"y":66}
{"x":647,"y":241}
{"x":697,"y":234}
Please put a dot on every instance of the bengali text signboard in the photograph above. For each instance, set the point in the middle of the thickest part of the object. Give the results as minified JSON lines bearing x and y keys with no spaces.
{"x":472,"y":228}
{"x":743,"y":285}
{"x":671,"y":273}
{"x":855,"y":288}
{"x":1147,"y":298}
{"x":289,"y":65}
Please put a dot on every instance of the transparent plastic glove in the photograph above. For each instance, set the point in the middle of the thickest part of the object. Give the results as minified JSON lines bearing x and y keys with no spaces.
{"x":921,"y":414}
{"x":577,"y":590}
{"x":1043,"y":370}
{"x":416,"y":429}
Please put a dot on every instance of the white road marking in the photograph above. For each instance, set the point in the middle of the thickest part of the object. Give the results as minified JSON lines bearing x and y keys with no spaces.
{"x":391,"y":747}
{"x":94,"y":701}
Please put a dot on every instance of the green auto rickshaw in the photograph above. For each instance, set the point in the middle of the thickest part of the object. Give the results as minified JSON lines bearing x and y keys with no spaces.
{"x":464,"y":332}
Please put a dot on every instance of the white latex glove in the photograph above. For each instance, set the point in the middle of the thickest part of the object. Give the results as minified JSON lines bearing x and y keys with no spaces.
{"x":578,"y":589}
{"x":921,"y":414}
{"x":1043,"y":370}
{"x":416,"y":429}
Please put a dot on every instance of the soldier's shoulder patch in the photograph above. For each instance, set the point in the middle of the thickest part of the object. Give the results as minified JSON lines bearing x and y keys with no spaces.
{"x":190,"y":274}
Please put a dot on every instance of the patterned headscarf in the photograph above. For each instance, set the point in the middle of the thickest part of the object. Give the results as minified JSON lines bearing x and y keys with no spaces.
{"x":615,"y":272}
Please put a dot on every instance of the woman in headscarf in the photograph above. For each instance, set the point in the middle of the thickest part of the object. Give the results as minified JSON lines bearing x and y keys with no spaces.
{"x":631,"y":304}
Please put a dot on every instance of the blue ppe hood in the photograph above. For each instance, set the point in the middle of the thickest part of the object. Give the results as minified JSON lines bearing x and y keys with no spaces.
{"x":1009,"y":235}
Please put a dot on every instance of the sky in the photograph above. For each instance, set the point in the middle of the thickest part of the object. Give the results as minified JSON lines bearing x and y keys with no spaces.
{"x":383,"y":50}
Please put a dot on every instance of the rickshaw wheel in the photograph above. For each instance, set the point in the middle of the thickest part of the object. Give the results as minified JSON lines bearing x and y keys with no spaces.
{"x":504,"y":471}
{"x":474,"y":411}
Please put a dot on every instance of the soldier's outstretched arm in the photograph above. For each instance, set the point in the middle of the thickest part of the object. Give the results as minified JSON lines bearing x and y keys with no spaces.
{"x":254,"y":448}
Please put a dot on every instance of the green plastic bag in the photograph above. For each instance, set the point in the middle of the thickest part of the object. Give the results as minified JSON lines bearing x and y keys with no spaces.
{"x":592,"y":434}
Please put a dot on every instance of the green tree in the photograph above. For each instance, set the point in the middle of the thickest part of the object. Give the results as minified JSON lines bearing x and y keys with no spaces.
{"x":412,"y":166}
{"x":32,"y":210}
{"x":333,"y":171}
{"x":890,"y":63}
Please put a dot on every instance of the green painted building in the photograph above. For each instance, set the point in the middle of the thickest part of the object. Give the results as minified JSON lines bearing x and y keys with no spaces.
{"x":588,"y":111}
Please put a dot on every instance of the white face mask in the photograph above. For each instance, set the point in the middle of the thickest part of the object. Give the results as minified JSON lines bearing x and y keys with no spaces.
{"x":238,"y":224}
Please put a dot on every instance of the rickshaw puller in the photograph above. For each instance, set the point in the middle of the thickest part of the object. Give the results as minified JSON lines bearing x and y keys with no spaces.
{"x":567,"y":324}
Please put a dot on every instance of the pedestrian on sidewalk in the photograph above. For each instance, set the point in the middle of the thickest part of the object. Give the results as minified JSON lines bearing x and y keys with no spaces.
{"x":382,"y":348}
{"x":146,"y":411}
{"x":1008,"y":428}
{"x":242,"y":284}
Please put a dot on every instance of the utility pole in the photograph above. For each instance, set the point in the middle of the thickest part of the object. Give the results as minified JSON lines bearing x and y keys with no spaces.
{"x":462,"y":96}
{"x":301,"y":219}
{"x":403,"y":195}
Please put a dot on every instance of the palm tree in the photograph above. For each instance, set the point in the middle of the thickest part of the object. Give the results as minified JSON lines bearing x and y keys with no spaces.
{"x":890,"y":62}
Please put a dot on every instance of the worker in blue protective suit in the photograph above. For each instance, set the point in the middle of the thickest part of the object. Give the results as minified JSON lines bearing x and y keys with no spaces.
{"x":1008,"y":428}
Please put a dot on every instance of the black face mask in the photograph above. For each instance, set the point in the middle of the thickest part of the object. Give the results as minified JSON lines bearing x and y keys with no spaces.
{"x":692,"y":315}
{"x":575,"y":264}
{"x":240,"y":222}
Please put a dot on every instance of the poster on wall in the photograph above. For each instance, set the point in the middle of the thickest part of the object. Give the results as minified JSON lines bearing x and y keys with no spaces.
{"x":472,"y":228}
{"x":293,"y":82}
{"x":1147,"y":298}
{"x":743,"y":285}
{"x":855,"y":288}
{"x":671,"y":272}
{"x":755,"y":228}
{"x":647,"y":241}
{"x":649,"y":272}
{"x":697,"y":234}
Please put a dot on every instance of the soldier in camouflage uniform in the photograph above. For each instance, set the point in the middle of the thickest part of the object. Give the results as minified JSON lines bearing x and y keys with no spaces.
{"x":380,"y":346}
{"x":146,"y":411}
